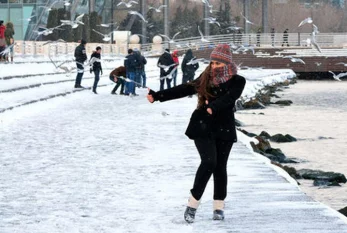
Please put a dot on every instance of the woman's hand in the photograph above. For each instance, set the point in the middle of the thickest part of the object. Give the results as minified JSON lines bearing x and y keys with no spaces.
{"x":209,"y":110}
{"x":115,"y":78}
{"x":150,"y":97}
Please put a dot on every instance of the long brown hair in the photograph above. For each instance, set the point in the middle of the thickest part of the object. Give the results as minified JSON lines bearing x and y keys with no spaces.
{"x":203,"y":87}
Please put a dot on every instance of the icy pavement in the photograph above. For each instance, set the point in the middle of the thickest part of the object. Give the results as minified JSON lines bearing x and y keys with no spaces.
{"x":102,"y":163}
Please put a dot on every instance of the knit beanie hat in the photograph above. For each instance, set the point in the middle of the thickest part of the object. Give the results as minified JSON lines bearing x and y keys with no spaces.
{"x":222,"y":54}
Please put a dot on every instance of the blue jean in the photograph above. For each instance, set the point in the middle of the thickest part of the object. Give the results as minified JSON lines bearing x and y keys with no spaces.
{"x":162,"y":82}
{"x":138,"y":74}
{"x":80,"y":72}
{"x":96,"y":78}
{"x":143,"y":74}
{"x":174,"y":77}
{"x":130,"y":86}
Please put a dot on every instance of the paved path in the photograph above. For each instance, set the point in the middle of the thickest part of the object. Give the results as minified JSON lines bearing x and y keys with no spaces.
{"x":87,"y":163}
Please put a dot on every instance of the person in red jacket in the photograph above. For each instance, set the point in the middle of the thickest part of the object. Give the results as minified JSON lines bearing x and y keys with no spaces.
{"x":2,"y":39}
{"x":177,"y":62}
{"x":211,"y":126}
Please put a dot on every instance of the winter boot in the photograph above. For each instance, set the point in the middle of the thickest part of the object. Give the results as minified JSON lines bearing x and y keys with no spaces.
{"x":218,"y":210}
{"x":94,"y":91}
{"x":189,"y":214}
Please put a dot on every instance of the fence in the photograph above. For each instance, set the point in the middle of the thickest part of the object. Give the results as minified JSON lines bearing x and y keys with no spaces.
{"x":38,"y":48}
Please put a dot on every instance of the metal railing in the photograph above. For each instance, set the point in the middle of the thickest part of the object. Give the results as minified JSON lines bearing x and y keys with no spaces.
{"x":263,"y":41}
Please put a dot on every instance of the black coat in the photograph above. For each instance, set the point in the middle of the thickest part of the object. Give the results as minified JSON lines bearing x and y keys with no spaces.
{"x":130,"y":63}
{"x":166,"y":60}
{"x":221,"y":124}
{"x":96,"y":64}
{"x":80,"y":54}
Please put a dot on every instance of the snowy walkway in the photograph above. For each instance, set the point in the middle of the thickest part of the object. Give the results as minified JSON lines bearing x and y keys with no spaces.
{"x":103,"y":163}
{"x":87,"y":163}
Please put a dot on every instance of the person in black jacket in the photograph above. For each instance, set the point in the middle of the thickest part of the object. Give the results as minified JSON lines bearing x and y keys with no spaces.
{"x":212,"y":125}
{"x":130,"y":64}
{"x":166,"y":65}
{"x":96,"y":67}
{"x":80,"y":58}
{"x":189,"y":66}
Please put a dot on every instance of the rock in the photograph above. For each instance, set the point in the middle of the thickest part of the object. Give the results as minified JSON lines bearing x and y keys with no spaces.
{"x":247,"y":133}
{"x":343,"y":211}
{"x":253,"y":104}
{"x":290,"y":137}
{"x":284,"y":102}
{"x":282,"y":138}
{"x":275,"y":96}
{"x":263,"y":144}
{"x":324,"y":182}
{"x":238,"y":123}
{"x":321,"y":175}
{"x":265,"y":134}
{"x":277,"y":153}
{"x":264,"y":98}
{"x":238,"y":105}
{"x":261,"y":113}
{"x":290,"y":170}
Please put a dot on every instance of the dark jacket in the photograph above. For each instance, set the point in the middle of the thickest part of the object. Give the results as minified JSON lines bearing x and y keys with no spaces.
{"x":166,"y":60}
{"x":221,"y":124}
{"x":80,"y":54}
{"x":131,"y":62}
{"x":119,"y":71}
{"x":9,"y":33}
{"x":189,"y":69}
{"x":96,"y":64}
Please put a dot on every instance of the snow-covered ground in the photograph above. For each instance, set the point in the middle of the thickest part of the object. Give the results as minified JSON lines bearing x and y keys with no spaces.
{"x":105,"y":163}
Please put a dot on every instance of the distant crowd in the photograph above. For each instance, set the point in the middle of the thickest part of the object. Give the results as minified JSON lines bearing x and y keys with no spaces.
{"x":6,"y":41}
{"x":132,"y":74}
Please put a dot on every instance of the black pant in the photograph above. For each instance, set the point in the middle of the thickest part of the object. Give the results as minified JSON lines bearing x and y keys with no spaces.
{"x":162,"y":82}
{"x":187,"y":77}
{"x":96,"y":78}
{"x":80,"y":72}
{"x":214,"y":154}
{"x":120,"y":82}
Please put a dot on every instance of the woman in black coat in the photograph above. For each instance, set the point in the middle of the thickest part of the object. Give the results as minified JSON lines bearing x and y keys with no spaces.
{"x":212,"y":125}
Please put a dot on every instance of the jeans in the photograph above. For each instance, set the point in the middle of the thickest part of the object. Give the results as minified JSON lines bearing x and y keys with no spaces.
{"x":174,"y":77}
{"x":162,"y":82}
{"x":80,"y":72}
{"x":96,"y":78}
{"x":214,"y":154}
{"x":130,"y":86}
{"x":120,"y":82}
{"x":138,"y":79}
{"x":143,"y":74}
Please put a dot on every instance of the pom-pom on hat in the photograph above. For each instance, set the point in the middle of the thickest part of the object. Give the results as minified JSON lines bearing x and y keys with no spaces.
{"x":221,"y":54}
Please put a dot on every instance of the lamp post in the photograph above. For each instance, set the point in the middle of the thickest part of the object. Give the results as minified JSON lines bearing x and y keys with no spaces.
{"x":112,"y":25}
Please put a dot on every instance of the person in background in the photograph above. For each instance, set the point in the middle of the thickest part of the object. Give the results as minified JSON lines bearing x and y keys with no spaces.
{"x":285,"y":37}
{"x":189,"y":66}
{"x":80,"y":58}
{"x":130,"y":64}
{"x":138,"y":68}
{"x":143,"y":72}
{"x":117,"y":76}
{"x":258,"y":37}
{"x":211,"y":126}
{"x":96,"y":67}
{"x":273,"y":37}
{"x":166,"y":65}
{"x":2,"y":39}
{"x":9,"y":33}
{"x":177,"y":62}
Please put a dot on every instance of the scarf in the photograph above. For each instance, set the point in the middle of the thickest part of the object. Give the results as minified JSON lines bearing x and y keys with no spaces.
{"x":223,"y":74}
